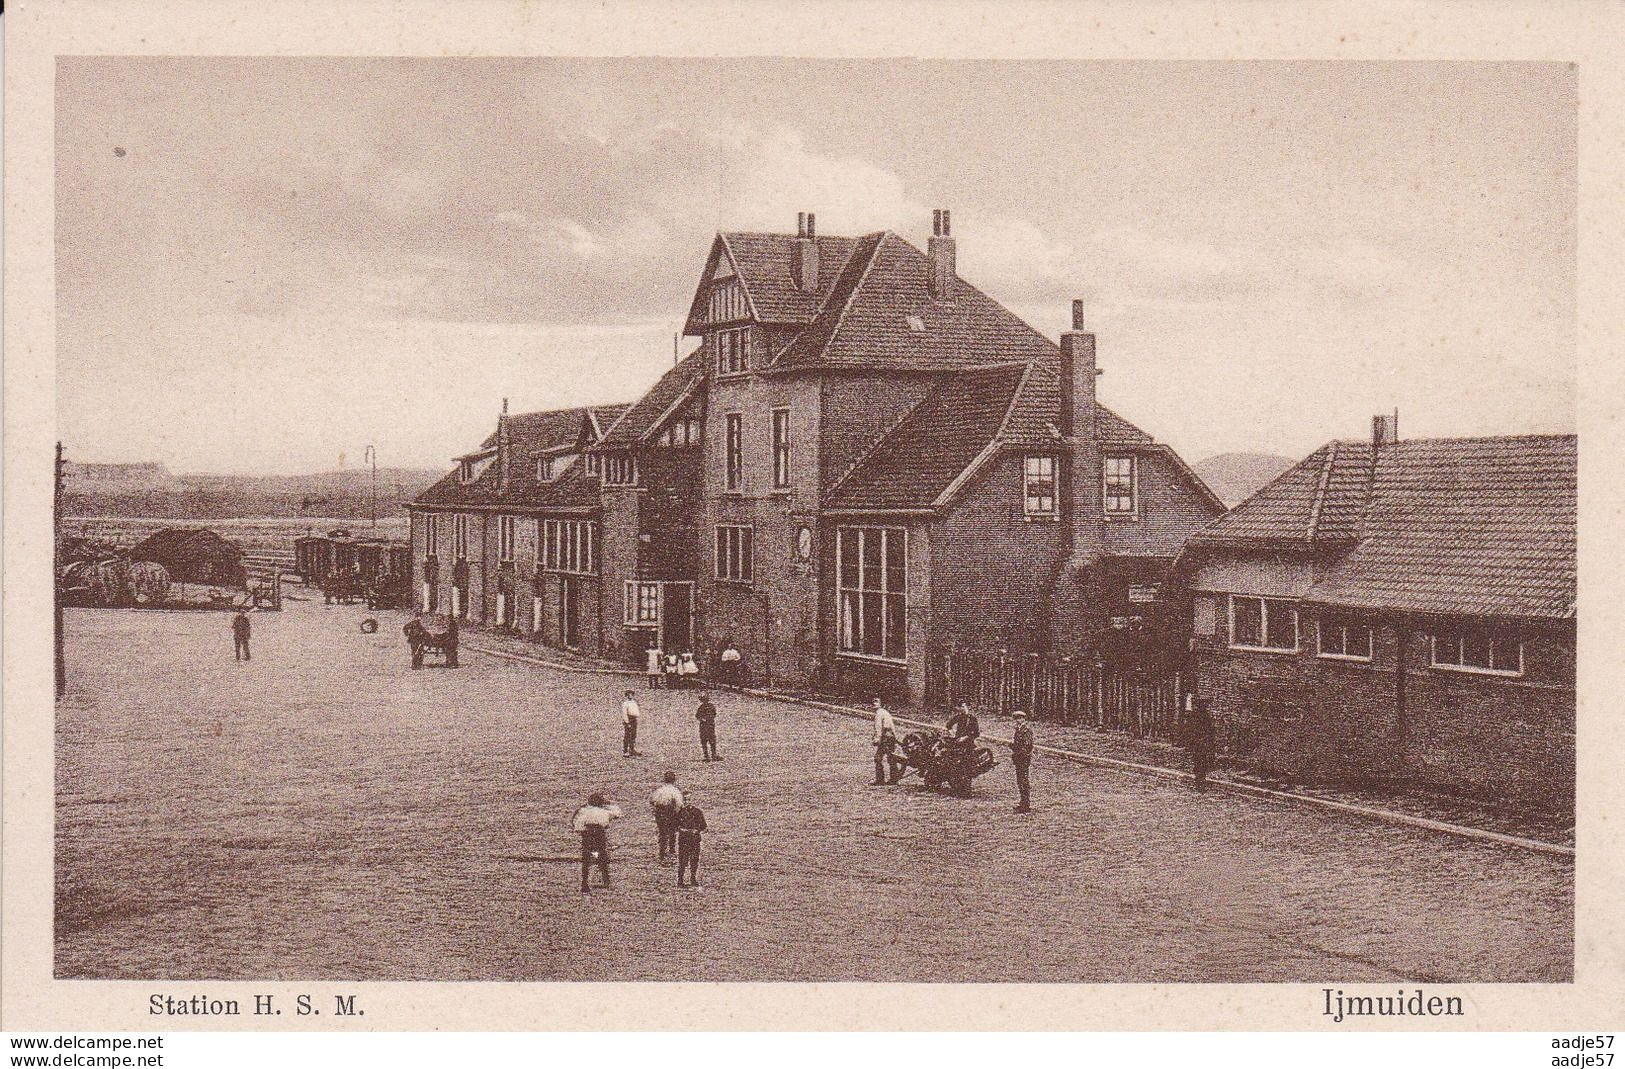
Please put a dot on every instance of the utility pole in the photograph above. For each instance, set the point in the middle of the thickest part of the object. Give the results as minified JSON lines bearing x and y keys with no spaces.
{"x":56,"y":572}
{"x":371,"y":457}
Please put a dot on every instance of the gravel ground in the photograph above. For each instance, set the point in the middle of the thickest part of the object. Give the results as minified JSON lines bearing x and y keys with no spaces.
{"x":325,"y":813}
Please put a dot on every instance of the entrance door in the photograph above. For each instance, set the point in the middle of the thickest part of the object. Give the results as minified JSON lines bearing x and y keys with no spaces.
{"x":569,"y":613}
{"x":677,"y":618}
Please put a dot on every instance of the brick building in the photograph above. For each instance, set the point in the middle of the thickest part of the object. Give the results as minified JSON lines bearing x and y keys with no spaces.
{"x":865,"y":461}
{"x":512,"y":536}
{"x":1398,"y":610}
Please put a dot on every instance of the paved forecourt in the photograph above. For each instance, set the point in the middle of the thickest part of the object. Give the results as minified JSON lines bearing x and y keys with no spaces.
{"x":325,"y":813}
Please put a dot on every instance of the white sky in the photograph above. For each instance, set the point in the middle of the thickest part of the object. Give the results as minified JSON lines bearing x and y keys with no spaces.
{"x":286,"y":260}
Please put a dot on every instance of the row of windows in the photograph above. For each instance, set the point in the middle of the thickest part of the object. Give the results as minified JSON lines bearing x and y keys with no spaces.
{"x":561,"y":545}
{"x":734,"y":450}
{"x":1259,"y":623}
{"x":1119,"y":486}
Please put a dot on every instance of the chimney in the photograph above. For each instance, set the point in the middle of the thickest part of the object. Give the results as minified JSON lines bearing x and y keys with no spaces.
{"x":1078,"y":425}
{"x":502,"y":449}
{"x":939,"y":254}
{"x":804,"y":258}
{"x":1384,"y":430}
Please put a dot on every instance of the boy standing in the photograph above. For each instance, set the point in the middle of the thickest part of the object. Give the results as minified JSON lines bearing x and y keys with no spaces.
{"x":666,"y":800}
{"x":707,"y":716}
{"x":629,"y":725}
{"x":240,"y":628}
{"x":1021,"y":757}
{"x":690,"y":823}
{"x":592,"y":822}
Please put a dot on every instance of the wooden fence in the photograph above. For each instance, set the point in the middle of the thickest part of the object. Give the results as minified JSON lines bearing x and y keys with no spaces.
{"x":1063,"y":691}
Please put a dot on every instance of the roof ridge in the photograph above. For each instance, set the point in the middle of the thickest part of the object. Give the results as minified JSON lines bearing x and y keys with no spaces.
{"x":846,"y":304}
{"x":1319,"y":502}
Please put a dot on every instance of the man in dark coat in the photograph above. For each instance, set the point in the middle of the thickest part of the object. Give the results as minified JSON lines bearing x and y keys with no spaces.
{"x":240,"y":629}
{"x":1199,"y":740}
{"x":690,"y":823}
{"x":707,"y":716}
{"x":1021,"y":757}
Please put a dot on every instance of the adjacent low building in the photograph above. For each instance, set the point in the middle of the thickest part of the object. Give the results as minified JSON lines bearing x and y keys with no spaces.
{"x":1398,"y":610}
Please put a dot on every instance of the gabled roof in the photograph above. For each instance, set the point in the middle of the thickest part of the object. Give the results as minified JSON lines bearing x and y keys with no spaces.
{"x":645,"y":415}
{"x":1466,"y":527}
{"x":865,"y":323}
{"x":531,"y":435}
{"x":762,"y":264}
{"x":1318,"y":499}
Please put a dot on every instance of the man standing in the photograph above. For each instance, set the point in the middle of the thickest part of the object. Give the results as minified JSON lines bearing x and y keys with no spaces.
{"x":666,"y":800}
{"x":1199,"y":740}
{"x":707,"y":716}
{"x":592,"y":822}
{"x":629,"y":725}
{"x":885,"y":742}
{"x":240,"y":628}
{"x":690,"y":823}
{"x":1021,"y":756}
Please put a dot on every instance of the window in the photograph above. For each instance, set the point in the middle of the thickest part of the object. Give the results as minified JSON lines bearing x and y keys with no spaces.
{"x":459,"y":535}
{"x":781,"y":447}
{"x":1120,"y":486}
{"x":465,"y":471}
{"x":568,"y":546}
{"x":431,"y":535}
{"x":727,"y":302}
{"x":1476,"y":651}
{"x":550,"y":468}
{"x":1342,"y":637}
{"x":620,"y":469}
{"x":1040,"y":487}
{"x":681,"y":432}
{"x":1263,"y":623}
{"x":642,"y":604}
{"x":595,"y":464}
{"x":734,"y":553}
{"x":736,"y":450}
{"x":872,"y":591}
{"x":733,"y":351}
{"x":505,"y":539}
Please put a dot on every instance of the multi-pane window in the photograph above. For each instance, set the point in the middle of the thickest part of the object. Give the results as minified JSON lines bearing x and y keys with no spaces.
{"x":1476,"y":651}
{"x":781,"y":447}
{"x":872,"y":591}
{"x":733,"y":351}
{"x":595,"y":464}
{"x":1120,"y":485}
{"x":505,"y":539}
{"x":620,"y":469}
{"x":1039,"y":492}
{"x":642,"y":604}
{"x":1263,"y":623}
{"x":431,"y":535}
{"x":465,"y":471}
{"x":1342,"y":637}
{"x":727,"y":303}
{"x":459,"y":535}
{"x":568,"y":546}
{"x":681,"y":432}
{"x":735,"y":547}
{"x":735,"y":442}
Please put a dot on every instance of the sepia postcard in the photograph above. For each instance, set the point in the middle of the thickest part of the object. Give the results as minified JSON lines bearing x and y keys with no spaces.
{"x":843,"y":516}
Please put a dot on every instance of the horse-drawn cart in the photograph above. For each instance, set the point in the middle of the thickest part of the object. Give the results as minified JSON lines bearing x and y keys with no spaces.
{"x":941,"y":762}
{"x":432,"y":632}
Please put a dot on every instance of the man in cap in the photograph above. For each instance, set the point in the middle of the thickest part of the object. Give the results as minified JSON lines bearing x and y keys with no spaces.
{"x":1021,"y":757}
{"x":592,"y":823}
{"x":666,"y":800}
{"x":690,"y":823}
{"x":629,"y":725}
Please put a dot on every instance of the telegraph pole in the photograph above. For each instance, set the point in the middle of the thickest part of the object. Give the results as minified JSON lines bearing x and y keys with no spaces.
{"x":371,"y":457}
{"x":56,"y":572}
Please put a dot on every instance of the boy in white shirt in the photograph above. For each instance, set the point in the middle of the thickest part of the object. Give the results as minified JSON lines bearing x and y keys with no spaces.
{"x":629,"y":725}
{"x":592,"y":823}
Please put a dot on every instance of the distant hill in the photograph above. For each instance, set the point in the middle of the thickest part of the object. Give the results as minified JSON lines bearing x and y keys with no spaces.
{"x":332,"y":494}
{"x":1237,"y":476}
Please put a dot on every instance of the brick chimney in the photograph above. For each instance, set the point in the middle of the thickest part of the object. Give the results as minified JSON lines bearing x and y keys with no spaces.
{"x":804,"y":258}
{"x":1384,"y":430}
{"x":1079,"y":426}
{"x":940,"y":257}
{"x":503,"y":450}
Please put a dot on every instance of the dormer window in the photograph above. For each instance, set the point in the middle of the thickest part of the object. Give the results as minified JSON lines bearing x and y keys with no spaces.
{"x":733,"y":351}
{"x":681,"y":432}
{"x":550,"y":468}
{"x":620,"y":469}
{"x":465,"y":471}
{"x":595,"y":464}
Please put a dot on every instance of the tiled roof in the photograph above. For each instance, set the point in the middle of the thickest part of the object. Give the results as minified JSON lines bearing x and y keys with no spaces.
{"x":1319,"y":498}
{"x":643,"y":415}
{"x":763,"y":263}
{"x":1466,"y":527}
{"x":936,"y":441}
{"x":866,"y":320}
{"x":530,"y":436}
